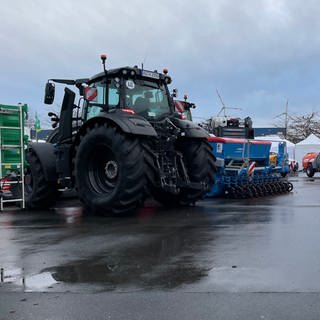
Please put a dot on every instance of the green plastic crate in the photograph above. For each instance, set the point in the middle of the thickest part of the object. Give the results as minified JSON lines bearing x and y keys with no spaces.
{"x":9,"y":168}
{"x":9,"y":116}
{"x":10,"y":137}
{"x":10,"y":156}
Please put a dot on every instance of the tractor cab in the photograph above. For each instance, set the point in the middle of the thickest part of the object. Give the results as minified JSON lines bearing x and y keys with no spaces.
{"x":132,"y":90}
{"x":184,"y":108}
{"x":128,"y":90}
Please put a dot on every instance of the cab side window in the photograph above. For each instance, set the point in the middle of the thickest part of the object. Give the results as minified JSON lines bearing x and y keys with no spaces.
{"x":99,"y":100}
{"x":113,"y":96}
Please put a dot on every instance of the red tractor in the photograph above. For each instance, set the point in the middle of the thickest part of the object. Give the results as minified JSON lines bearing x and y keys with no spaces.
{"x":311,"y":163}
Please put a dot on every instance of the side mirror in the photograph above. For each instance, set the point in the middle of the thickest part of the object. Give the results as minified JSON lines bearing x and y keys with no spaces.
{"x":189,"y":105}
{"x":49,"y":93}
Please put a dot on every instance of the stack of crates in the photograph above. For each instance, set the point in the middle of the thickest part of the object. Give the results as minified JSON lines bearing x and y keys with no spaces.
{"x":12,"y":148}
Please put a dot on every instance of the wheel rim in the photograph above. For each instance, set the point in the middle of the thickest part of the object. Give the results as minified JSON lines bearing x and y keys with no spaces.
{"x":111,"y":169}
{"x":103,"y":170}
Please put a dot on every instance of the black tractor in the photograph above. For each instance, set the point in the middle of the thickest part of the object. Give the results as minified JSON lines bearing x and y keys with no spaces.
{"x":121,"y":143}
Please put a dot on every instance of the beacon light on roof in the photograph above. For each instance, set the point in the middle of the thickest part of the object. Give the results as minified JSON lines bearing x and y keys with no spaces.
{"x":165,"y":71}
{"x":103,"y":59}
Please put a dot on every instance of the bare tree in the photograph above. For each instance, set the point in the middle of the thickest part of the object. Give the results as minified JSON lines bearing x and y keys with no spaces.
{"x":301,"y":126}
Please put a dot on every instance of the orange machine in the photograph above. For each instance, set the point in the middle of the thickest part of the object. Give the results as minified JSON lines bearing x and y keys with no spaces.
{"x":308,"y":158}
{"x":311,"y":163}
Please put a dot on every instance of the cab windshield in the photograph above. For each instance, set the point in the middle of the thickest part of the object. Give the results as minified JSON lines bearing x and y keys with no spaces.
{"x":148,"y":99}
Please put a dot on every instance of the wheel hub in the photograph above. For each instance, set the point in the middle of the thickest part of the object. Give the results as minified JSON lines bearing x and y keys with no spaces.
{"x":111,"y":169}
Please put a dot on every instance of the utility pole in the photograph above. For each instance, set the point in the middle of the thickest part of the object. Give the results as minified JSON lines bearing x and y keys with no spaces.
{"x":286,"y":119}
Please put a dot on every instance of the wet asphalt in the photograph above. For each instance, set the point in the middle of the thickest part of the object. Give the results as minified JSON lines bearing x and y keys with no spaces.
{"x":223,"y":258}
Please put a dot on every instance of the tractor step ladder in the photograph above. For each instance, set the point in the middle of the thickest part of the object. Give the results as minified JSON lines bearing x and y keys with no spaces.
{"x":17,"y":148}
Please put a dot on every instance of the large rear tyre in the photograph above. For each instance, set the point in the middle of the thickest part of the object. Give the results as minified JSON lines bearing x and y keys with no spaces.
{"x":200,"y":164}
{"x":110,"y":171}
{"x":310,"y":171}
{"x":39,"y":193}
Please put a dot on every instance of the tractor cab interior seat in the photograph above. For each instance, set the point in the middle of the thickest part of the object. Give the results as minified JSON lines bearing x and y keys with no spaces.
{"x":140,"y":104}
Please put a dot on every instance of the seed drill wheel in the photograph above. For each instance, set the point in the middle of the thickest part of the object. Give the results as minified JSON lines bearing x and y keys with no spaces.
{"x":255,"y":190}
{"x":199,"y":162}
{"x":275,"y":187}
{"x":39,"y":193}
{"x":260,"y":190}
{"x":310,"y":171}
{"x":270,"y":189}
{"x":238,"y":192}
{"x":231,"y":192}
{"x":110,"y":171}
{"x":289,"y":186}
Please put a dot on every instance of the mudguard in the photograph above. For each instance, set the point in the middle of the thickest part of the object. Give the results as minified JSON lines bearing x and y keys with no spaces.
{"x":47,"y":158}
{"x":129,"y":123}
{"x":190,"y":129}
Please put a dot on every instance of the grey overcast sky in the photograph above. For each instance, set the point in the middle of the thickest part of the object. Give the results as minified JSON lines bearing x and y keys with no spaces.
{"x":257,"y":53}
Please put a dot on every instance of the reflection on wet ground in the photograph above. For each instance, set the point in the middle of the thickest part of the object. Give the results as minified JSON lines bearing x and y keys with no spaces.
{"x":265,"y":244}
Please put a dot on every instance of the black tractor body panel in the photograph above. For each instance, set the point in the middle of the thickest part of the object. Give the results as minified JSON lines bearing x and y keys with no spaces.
{"x":190,"y":129}
{"x":46,"y":155}
{"x":65,"y":127}
{"x":129,"y":123}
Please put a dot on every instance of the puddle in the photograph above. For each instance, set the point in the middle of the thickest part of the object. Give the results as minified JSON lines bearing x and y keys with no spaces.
{"x":10,"y":275}
{"x":71,"y":215}
{"x":38,"y":282}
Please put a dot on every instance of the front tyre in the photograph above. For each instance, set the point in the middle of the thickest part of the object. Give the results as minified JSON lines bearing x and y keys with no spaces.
{"x":110,"y":171}
{"x":39,"y":193}
{"x":310,"y":171}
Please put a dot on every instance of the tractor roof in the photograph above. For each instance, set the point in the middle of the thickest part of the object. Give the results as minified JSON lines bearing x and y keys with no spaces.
{"x":133,"y":71}
{"x":124,"y":71}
